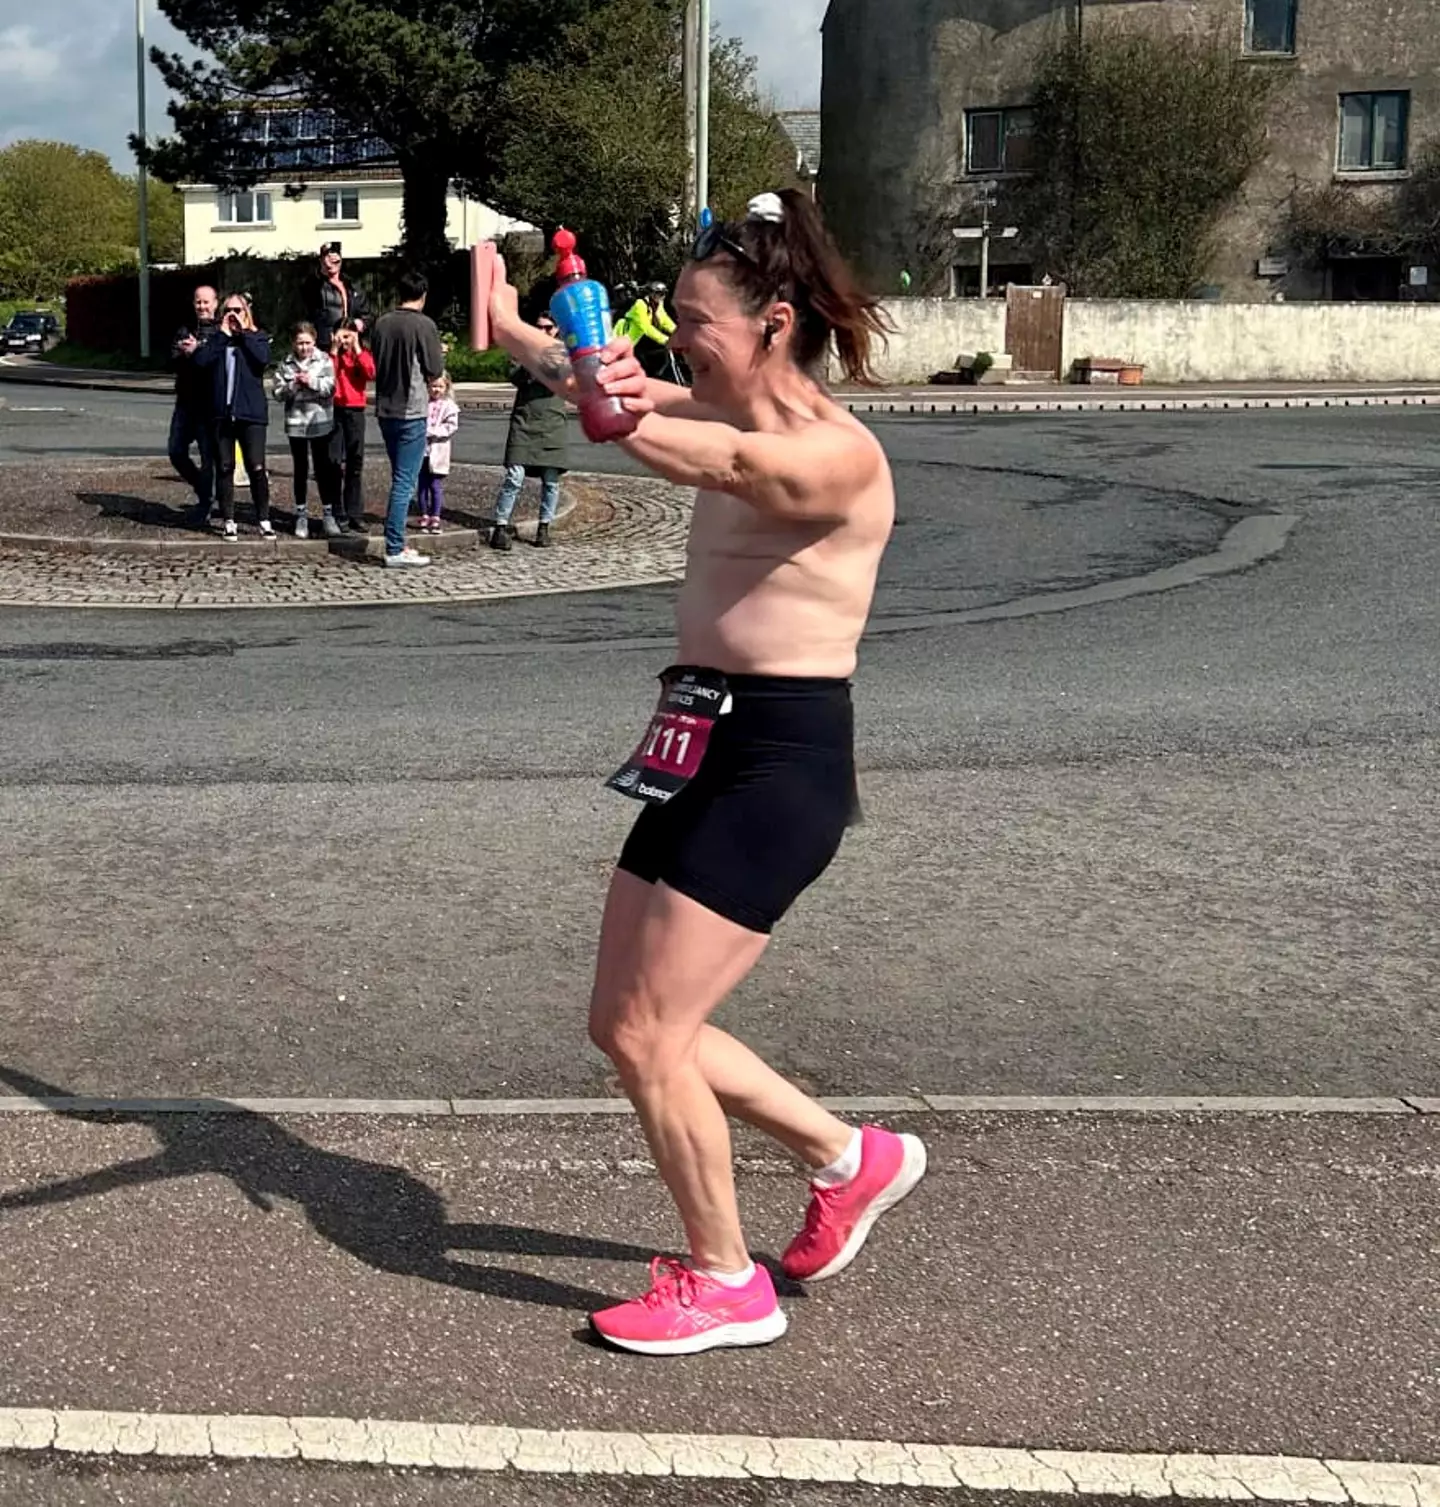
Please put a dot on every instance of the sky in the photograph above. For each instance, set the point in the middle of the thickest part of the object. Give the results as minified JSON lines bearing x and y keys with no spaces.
{"x":67,"y":72}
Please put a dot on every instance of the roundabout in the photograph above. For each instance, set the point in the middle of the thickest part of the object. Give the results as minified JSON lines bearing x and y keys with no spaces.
{"x":112,"y":533}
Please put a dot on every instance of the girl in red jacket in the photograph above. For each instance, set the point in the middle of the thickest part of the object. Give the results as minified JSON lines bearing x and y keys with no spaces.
{"x":354,"y":371}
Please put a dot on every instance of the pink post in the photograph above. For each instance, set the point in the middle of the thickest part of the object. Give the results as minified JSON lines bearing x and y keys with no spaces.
{"x":482,"y":278}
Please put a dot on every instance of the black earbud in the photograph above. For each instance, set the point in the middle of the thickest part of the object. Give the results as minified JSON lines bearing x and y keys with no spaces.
{"x":771,"y":330}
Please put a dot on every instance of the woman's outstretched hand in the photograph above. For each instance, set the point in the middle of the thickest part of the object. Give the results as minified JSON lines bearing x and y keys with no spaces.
{"x":622,"y":376}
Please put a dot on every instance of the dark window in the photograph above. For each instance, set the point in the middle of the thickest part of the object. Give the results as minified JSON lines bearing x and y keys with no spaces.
{"x":999,"y":141}
{"x":342,"y":204}
{"x":1373,"y":131}
{"x":1270,"y":25}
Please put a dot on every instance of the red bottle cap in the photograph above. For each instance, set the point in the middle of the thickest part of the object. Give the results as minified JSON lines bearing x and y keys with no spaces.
{"x":569,"y":268}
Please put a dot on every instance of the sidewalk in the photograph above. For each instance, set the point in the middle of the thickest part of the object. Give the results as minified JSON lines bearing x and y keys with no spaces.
{"x":1057,"y":397}
{"x":1221,"y":1285}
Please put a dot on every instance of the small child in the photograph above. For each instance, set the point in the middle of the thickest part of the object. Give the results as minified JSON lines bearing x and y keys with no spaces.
{"x":441,"y":422}
{"x":305,"y":383}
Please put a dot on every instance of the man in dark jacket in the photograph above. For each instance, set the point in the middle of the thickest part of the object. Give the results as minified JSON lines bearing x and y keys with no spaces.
{"x":408,"y":358}
{"x":334,"y":298}
{"x":535,"y":446}
{"x":192,"y":421}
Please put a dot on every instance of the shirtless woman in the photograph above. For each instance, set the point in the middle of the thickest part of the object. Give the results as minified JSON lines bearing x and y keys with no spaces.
{"x":794,"y":508}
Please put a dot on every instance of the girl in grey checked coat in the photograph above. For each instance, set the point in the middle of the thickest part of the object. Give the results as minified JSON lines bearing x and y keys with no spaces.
{"x":305,"y":383}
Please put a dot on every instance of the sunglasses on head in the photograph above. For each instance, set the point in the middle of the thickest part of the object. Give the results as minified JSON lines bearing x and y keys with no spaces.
{"x":712,"y":241}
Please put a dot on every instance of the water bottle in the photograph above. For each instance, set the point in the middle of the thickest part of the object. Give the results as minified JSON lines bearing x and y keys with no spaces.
{"x":581,"y":310}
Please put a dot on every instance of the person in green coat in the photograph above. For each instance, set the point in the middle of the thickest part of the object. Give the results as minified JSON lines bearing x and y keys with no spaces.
{"x":535,"y":446}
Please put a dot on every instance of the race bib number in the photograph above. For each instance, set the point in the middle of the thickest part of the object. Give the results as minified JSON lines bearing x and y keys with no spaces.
{"x":668,"y":757}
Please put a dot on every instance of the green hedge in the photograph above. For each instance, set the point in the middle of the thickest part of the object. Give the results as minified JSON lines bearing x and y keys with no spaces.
{"x":465,"y":365}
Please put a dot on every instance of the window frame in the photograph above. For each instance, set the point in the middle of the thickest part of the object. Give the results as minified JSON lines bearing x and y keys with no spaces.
{"x":1248,"y":41}
{"x":340,"y":195}
{"x":1371,"y":167}
{"x":1003,"y":113}
{"x":227,"y":209}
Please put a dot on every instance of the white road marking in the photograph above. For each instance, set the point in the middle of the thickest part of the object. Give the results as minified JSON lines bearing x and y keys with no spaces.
{"x":580,"y":1452}
{"x":874,"y":1104}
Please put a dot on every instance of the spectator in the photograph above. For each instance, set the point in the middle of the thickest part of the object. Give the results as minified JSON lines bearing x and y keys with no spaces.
{"x":441,"y":422}
{"x":647,"y":325}
{"x":236,"y":355}
{"x":334,"y":299}
{"x":534,"y":446}
{"x":191,"y":422}
{"x":305,"y":383}
{"x":354,"y":371}
{"x":408,"y":357}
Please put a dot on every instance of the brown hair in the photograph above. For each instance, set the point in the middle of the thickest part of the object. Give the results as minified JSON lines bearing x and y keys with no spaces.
{"x":795,"y":261}
{"x":305,"y":328}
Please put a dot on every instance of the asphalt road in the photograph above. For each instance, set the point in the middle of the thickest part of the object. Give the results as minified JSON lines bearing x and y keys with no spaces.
{"x":1180,"y":842}
{"x":1178,"y":838}
{"x":1259,"y":1286}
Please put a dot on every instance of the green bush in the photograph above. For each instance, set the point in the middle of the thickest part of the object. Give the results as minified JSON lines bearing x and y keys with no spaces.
{"x":465,"y":365}
{"x":9,"y":306}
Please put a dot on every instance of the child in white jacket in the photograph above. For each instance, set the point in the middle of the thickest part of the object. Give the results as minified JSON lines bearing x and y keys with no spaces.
{"x":305,"y":383}
{"x":441,"y":422}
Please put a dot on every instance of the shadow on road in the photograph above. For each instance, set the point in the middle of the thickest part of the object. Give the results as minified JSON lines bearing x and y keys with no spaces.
{"x":381,"y":1215}
{"x":142,"y":510}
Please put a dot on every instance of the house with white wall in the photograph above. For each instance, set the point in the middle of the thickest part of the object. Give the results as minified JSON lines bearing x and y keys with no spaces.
{"x":317,"y":184}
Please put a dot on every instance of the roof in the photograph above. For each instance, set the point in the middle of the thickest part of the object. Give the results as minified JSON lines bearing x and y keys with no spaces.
{"x":281,"y":178}
{"x":803,"y":129}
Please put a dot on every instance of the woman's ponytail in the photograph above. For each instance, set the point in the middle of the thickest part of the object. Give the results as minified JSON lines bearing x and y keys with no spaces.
{"x":789,"y":257}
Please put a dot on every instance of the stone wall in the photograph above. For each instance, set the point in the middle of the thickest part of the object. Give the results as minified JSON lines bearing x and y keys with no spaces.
{"x":931,"y":332}
{"x":1279,"y":342}
{"x":1191,"y":341}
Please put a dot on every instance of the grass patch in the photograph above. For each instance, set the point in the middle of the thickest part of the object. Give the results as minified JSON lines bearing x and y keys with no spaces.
{"x":69,"y":354}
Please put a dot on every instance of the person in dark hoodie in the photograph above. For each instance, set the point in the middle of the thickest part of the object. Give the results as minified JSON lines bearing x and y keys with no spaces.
{"x":191,"y":422}
{"x":334,"y":299}
{"x":236,"y":356}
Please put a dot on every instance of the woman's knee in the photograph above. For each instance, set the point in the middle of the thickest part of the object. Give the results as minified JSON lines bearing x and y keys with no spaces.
{"x":633,"y":1035}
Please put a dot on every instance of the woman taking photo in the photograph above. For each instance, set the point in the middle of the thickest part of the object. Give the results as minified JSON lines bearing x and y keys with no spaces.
{"x":746,"y":771}
{"x":236,"y":355}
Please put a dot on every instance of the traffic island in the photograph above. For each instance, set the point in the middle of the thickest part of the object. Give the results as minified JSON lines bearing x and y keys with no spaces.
{"x":108,"y":533}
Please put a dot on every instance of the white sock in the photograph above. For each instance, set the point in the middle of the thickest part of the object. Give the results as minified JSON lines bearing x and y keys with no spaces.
{"x":843,"y":1169}
{"x":728,"y":1279}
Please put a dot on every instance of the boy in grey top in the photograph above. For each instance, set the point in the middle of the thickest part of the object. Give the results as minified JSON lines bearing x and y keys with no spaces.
{"x":408,"y":357}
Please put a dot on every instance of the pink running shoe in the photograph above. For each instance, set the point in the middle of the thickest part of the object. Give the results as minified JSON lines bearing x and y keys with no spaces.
{"x":685,"y":1313}
{"x":839,"y":1220}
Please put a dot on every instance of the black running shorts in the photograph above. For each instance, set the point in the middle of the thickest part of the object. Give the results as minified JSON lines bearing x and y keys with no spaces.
{"x":768,"y":808}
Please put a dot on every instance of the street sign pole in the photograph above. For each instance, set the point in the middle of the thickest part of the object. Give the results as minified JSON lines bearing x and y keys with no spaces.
{"x":689,"y":87}
{"x":702,"y":108}
{"x":142,"y":183}
{"x":987,"y":200}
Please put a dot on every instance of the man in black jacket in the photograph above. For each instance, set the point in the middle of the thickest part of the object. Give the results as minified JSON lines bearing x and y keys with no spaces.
{"x":334,"y":298}
{"x":193,"y":418}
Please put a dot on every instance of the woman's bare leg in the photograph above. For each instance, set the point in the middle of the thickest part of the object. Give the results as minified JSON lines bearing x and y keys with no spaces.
{"x":664,"y":964}
{"x":751,"y":1090}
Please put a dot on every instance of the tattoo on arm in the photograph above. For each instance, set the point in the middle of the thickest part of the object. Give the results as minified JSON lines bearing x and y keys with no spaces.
{"x":553,"y":363}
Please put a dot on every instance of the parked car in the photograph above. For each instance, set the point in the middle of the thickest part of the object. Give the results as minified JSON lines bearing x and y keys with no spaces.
{"x":29,"y":332}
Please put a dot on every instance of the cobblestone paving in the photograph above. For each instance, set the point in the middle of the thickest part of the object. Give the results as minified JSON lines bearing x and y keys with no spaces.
{"x":642,"y":542}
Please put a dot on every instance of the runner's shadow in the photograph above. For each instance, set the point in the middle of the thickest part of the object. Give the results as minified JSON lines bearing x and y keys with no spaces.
{"x":381,"y":1215}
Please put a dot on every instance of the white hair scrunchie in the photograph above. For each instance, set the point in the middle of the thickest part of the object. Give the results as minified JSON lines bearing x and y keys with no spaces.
{"x":765,"y":207}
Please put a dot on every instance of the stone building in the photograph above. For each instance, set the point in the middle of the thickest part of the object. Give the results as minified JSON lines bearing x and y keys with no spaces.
{"x":924,"y":100}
